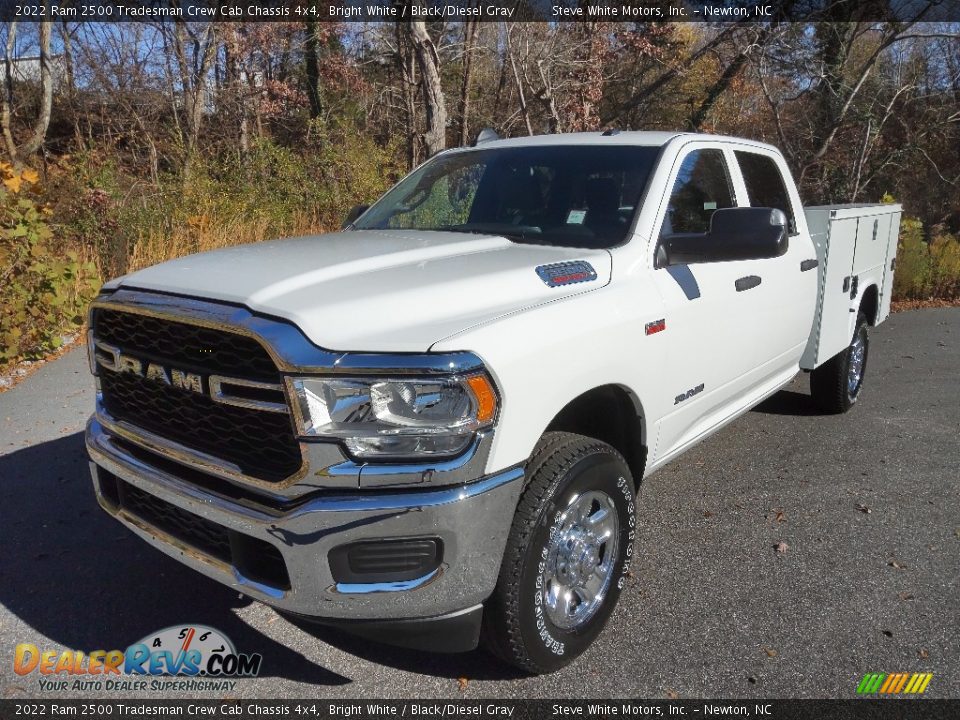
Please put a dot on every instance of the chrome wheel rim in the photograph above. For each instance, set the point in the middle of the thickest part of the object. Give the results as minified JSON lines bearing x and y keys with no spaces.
{"x":581,"y":554}
{"x":858,"y":354}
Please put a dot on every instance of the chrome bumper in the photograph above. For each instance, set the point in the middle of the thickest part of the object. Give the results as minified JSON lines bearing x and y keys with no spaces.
{"x":472,"y":519}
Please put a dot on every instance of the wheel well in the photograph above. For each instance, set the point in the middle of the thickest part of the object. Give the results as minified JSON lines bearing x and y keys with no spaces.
{"x":612,"y":414}
{"x":870,"y":304}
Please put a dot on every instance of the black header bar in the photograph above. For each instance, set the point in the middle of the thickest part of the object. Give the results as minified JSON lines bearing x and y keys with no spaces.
{"x":716,"y":11}
{"x":478,"y":709}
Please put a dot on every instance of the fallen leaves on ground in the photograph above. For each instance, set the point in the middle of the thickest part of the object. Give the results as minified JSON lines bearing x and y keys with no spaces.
{"x":864,"y":509}
{"x":905,"y":596}
{"x":902,"y":305}
{"x":462,"y":683}
{"x":672,"y":694}
{"x":923,"y":653}
{"x":781,"y":547}
{"x":770,"y":652}
{"x":896,"y":565}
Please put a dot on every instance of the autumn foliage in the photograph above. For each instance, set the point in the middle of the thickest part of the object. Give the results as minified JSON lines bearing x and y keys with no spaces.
{"x":171,"y":138}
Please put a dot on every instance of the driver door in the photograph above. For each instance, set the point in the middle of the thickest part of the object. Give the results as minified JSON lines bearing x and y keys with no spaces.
{"x":708,"y":307}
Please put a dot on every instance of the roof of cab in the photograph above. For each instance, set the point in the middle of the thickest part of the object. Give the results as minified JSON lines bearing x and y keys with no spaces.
{"x":647,"y":138}
{"x":624,"y":137}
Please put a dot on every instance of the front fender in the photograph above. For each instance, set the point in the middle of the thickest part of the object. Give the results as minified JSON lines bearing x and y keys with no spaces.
{"x":544,"y":357}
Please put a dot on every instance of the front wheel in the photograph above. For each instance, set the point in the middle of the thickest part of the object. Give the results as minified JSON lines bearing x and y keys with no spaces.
{"x":568,"y":551}
{"x":836,"y":385}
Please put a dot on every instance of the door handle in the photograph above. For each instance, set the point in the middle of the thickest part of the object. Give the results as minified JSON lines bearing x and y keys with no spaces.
{"x":808,"y":265}
{"x":745,"y":283}
{"x":850,"y":282}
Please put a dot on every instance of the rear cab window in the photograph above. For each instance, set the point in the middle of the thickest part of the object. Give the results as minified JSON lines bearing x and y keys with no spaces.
{"x":765,"y":184}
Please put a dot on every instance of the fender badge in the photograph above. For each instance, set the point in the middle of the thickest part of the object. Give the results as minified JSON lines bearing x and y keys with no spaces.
{"x":656,"y":326}
{"x":567,"y":273}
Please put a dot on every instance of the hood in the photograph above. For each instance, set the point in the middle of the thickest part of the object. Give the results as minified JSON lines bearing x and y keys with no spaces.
{"x":376,"y":290}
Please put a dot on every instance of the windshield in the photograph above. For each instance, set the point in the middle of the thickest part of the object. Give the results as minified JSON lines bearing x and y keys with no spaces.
{"x":571,"y":196}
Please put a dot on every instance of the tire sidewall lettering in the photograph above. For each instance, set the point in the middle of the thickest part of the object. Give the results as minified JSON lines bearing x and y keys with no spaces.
{"x":544,"y":629}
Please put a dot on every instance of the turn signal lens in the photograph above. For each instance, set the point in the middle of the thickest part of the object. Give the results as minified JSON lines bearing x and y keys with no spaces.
{"x":484,"y":396}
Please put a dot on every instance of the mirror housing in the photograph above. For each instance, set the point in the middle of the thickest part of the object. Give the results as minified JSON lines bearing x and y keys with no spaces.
{"x":746,"y":233}
{"x":352,"y":214}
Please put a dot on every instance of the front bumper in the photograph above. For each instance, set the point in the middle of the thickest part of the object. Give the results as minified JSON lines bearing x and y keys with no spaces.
{"x":472,"y":519}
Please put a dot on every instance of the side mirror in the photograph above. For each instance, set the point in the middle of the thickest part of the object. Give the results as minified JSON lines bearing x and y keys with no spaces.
{"x":354,"y":212}
{"x":735,"y":234}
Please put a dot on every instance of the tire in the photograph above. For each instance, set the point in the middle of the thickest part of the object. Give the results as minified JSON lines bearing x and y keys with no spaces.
{"x":525,"y":621}
{"x":836,"y":385}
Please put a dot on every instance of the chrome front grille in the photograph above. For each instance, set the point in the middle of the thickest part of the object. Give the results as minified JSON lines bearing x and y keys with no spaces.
{"x":260,"y":443}
{"x":191,"y":347}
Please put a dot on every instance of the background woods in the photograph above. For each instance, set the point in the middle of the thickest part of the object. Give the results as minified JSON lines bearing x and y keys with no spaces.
{"x":127,"y":144}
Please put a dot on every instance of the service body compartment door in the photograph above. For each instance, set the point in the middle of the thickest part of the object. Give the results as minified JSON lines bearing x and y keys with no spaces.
{"x":872,"y":234}
{"x":831,"y":328}
{"x":855,"y":246}
{"x":886,"y":292}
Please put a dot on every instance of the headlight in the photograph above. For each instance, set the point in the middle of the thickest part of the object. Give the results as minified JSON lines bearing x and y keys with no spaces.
{"x":397,"y":418}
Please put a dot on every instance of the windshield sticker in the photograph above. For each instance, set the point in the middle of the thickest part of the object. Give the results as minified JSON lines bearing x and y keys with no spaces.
{"x":576,"y":217}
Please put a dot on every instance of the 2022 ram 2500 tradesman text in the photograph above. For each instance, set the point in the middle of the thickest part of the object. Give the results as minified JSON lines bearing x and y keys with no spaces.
{"x":431,"y":426}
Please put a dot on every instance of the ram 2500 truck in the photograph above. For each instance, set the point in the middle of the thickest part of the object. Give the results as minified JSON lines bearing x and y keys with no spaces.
{"x":431,"y":426}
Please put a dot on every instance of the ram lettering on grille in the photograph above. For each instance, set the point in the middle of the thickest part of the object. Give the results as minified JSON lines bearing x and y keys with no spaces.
{"x":211,"y":390}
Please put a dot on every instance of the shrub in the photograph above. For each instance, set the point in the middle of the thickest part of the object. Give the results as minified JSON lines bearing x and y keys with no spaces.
{"x":912,"y":277}
{"x":926,"y":269}
{"x":43,"y":289}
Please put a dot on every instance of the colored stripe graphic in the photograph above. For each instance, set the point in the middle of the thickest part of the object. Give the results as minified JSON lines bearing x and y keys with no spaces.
{"x":888,"y":683}
{"x":894,"y":683}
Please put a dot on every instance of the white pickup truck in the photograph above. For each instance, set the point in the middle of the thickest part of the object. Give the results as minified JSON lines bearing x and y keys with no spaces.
{"x":430,"y":427}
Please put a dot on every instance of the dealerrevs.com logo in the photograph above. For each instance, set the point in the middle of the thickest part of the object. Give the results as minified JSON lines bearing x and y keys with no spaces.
{"x":200,"y":657}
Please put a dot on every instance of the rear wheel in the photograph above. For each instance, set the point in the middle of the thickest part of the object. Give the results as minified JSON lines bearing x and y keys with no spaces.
{"x":836,"y":385}
{"x":567,"y":553}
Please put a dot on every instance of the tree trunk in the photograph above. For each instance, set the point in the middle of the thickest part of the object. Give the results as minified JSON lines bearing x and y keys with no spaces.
{"x":311,"y":59}
{"x":7,"y":109}
{"x":193,"y":81}
{"x":524,"y":110}
{"x":236,"y":88}
{"x":407,"y":67}
{"x":19,"y":153}
{"x":428,"y":62}
{"x":469,"y":36}
{"x":67,"y":42}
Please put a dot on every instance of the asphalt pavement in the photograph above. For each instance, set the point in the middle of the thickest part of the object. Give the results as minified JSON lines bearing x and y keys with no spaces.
{"x":786,"y":556}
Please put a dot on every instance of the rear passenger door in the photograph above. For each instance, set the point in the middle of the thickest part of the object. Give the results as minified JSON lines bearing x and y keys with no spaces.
{"x":788,"y":292}
{"x":710,"y":332}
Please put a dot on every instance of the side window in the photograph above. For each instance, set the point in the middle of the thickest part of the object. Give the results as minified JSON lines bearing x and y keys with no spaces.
{"x":765,"y":185}
{"x":702,"y":186}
